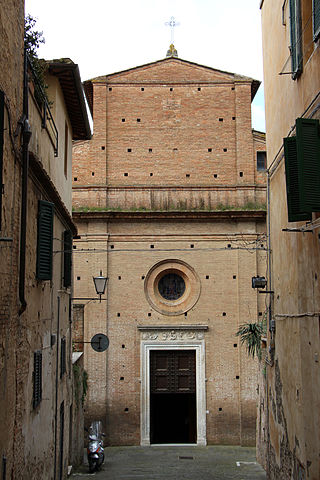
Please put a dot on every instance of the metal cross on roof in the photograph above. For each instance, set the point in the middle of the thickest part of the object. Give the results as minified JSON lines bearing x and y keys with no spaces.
{"x":172,"y":24}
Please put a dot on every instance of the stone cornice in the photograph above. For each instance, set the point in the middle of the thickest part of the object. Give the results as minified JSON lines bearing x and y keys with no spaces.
{"x":174,"y":215}
{"x":144,"y":328}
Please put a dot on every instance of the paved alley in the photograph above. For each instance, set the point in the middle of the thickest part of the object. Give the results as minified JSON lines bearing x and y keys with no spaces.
{"x":176,"y":463}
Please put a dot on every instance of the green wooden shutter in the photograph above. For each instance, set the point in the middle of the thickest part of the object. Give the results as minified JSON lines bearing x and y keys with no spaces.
{"x":292,"y":181}
{"x":316,"y":19}
{"x":45,"y":240}
{"x":67,"y":258}
{"x":308,"y":153}
{"x":1,"y":148}
{"x":295,"y":38}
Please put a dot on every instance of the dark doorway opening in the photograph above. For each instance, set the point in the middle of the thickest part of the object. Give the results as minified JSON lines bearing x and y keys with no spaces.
{"x":173,"y":396}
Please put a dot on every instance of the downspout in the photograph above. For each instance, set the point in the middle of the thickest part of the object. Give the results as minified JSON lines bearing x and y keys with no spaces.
{"x":26,"y":135}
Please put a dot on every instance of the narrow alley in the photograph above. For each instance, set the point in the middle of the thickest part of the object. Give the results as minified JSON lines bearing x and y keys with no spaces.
{"x":176,"y":463}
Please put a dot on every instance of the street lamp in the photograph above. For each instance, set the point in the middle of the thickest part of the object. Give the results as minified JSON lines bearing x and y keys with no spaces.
{"x":100,"y":283}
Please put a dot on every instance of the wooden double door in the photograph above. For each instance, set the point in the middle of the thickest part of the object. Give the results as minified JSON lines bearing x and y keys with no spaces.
{"x":173,"y":396}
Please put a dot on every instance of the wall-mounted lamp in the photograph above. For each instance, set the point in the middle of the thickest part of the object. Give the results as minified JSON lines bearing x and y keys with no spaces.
{"x":100,"y":283}
{"x":258,"y":282}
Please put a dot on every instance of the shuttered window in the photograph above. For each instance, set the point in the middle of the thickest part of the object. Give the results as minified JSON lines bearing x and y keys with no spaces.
{"x":37,"y":378}
{"x":67,"y":258}
{"x":302,"y":164}
{"x":308,"y":153}
{"x":295,"y":38}
{"x":316,"y":19}
{"x":1,"y":148}
{"x":45,"y":239}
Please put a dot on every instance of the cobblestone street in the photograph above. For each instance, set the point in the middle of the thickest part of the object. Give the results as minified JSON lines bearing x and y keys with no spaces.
{"x":176,"y":463}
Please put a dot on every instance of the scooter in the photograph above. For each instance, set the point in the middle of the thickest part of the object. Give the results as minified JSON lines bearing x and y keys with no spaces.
{"x":95,"y":450}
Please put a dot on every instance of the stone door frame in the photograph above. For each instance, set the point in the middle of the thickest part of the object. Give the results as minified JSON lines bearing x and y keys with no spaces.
{"x":172,"y":344}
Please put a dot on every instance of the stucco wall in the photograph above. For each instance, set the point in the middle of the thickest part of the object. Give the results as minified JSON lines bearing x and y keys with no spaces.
{"x":292,"y":398}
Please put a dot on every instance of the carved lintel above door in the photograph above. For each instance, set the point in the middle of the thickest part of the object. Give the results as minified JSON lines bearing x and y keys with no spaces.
{"x":172,"y":333}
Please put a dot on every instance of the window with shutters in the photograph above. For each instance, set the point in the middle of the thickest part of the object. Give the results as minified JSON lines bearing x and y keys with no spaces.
{"x":45,"y":240}
{"x":1,"y":148}
{"x":37,"y":378}
{"x":295,"y":38}
{"x":67,"y":258}
{"x":316,"y":19}
{"x":62,"y":357}
{"x":302,"y":167}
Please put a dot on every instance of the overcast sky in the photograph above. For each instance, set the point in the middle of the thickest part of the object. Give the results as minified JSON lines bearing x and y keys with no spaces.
{"x":105,"y":36}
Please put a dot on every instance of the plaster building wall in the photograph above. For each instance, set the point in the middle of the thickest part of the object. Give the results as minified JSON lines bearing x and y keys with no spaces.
{"x":169,"y":183}
{"x":292,"y":391}
{"x":35,"y":348}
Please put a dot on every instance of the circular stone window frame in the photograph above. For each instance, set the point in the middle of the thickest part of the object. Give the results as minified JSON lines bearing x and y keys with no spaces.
{"x":184,"y":303}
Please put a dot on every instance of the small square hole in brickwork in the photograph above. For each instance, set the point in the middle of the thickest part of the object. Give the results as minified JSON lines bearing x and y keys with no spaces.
{"x":129,"y":150}
{"x":225,"y":149}
{"x":188,"y":175}
{"x":260,"y":314}
{"x":142,"y":89}
{"x":210,"y":150}
{"x":75,"y":179}
{"x":150,"y":150}
{"x":215,"y":175}
{"x":207,"y":277}
{"x":199,"y":89}
{"x":171,"y":89}
{"x":126,"y":409}
{"x":123,"y":346}
{"x":151,"y":246}
{"x":237,"y":377}
{"x":143,"y":277}
{"x":118,"y":314}
{"x":224,"y":314}
{"x":186,"y":314}
{"x":232,"y":88}
{"x":111,"y":246}
{"x":119,"y":277}
{"x":78,"y":278}
{"x":138,"y":120}
{"x":151,"y":174}
{"x":103,"y":147}
{"x":233,"y":118}
{"x":121,"y":378}
{"x":110,"y":89}
{"x":220,"y":409}
{"x":191,"y":246}
{"x":175,"y":149}
{"x":92,"y":173}
{"x":123,"y":120}
{"x":125,"y":174}
{"x":149,"y":314}
{"x":261,"y":245}
{"x":220,"y":119}
{"x":235,"y":345}
{"x":241,"y":174}
{"x":234,"y":277}
{"x":229,"y":245}
{"x":74,"y":247}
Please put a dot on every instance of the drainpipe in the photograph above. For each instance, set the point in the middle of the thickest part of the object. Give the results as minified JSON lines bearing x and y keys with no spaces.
{"x":26,"y":135}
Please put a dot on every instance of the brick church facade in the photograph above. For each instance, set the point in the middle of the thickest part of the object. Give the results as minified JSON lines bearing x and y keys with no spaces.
{"x":169,"y":202}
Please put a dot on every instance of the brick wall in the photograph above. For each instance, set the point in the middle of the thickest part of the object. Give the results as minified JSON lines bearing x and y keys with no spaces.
{"x":190,"y":127}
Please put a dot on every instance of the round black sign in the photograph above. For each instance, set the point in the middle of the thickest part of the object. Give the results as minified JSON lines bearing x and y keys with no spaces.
{"x":100,"y":342}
